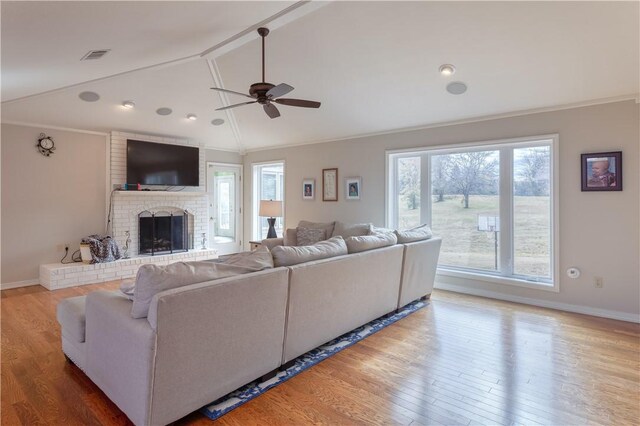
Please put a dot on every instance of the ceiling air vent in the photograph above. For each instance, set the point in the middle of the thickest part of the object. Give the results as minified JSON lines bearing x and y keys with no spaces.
{"x":95,"y":54}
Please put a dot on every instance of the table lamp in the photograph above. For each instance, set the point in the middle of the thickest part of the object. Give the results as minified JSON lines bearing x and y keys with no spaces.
{"x":271,"y":209}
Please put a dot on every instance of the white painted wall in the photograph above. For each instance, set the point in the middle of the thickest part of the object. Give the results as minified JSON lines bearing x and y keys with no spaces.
{"x":47,"y":202}
{"x":599,"y":232}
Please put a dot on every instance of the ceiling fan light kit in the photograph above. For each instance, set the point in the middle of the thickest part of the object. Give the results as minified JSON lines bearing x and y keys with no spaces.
{"x":266,"y":94}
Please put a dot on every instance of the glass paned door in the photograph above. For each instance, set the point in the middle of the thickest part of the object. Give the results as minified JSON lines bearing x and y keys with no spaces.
{"x":223,"y":187}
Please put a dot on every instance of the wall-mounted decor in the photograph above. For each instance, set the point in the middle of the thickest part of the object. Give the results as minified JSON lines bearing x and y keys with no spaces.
{"x":45,"y":145}
{"x":308,"y":189}
{"x":329,"y":184}
{"x":353,"y":186}
{"x":602,"y":171}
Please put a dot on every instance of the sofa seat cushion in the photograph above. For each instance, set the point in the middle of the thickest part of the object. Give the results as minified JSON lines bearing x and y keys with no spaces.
{"x":288,"y":256}
{"x":153,"y":279}
{"x":71,"y":316}
{"x":346,"y":230}
{"x":328,"y":227}
{"x":419,"y":233}
{"x":308,"y":236}
{"x":370,"y":242}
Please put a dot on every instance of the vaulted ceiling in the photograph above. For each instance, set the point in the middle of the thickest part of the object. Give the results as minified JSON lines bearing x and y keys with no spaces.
{"x":373,"y":65}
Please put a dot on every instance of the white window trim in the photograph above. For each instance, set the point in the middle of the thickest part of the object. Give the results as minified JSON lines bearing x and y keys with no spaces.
{"x":553,"y":140}
{"x":255,"y":198}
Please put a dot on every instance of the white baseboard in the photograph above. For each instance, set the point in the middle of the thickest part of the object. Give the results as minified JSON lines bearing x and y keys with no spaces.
{"x":17,"y":284}
{"x":605,"y":313}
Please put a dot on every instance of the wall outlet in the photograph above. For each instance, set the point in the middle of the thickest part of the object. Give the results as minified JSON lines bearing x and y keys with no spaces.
{"x":598,"y":282}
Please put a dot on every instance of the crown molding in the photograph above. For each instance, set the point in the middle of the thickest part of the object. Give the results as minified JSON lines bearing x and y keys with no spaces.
{"x":48,"y":126}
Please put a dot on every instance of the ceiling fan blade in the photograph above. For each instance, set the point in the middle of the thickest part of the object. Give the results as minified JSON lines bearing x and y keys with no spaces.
{"x":232,"y":92}
{"x":298,"y":103}
{"x":280,"y":90}
{"x":271,"y":110}
{"x":236,"y":105}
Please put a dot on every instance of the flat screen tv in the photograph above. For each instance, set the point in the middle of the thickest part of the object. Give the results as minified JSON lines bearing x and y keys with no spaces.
{"x":151,"y":163}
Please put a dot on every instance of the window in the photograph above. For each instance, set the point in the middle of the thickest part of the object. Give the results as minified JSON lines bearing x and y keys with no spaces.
{"x":268,"y":184}
{"x":492,"y":203}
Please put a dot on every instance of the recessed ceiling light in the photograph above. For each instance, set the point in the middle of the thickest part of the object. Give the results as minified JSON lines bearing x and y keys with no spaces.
{"x":217,"y":121}
{"x":447,"y":70}
{"x":192,"y":117}
{"x":89,"y":96}
{"x":164,"y":111}
{"x":456,"y":88}
{"x":128,"y":104}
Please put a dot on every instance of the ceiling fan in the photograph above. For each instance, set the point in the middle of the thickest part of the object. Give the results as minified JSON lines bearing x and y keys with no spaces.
{"x":265,"y":93}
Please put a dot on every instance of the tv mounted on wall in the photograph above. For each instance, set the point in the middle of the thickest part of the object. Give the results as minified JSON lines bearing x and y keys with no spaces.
{"x":150,"y":163}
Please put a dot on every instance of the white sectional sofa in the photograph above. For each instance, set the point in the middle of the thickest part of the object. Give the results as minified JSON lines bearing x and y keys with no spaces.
{"x":201,"y":341}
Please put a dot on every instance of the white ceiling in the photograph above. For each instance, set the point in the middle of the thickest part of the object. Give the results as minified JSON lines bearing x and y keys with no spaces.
{"x":373,"y":65}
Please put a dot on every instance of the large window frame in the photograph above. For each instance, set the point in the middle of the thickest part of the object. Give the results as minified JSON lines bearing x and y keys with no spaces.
{"x":506,"y":147}
{"x":256,"y":191}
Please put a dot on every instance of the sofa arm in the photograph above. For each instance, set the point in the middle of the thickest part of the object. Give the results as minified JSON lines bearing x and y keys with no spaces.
{"x":272,"y":242}
{"x":419,"y":269}
{"x":120,"y":353}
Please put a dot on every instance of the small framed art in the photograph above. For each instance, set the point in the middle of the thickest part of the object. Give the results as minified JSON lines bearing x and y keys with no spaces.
{"x":329,"y":184}
{"x":308,"y":189}
{"x":602,"y":171}
{"x":353,"y":186}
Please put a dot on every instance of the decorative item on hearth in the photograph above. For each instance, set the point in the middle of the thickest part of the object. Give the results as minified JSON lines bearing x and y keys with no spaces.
{"x":102,"y":248}
{"x":45,"y":145}
{"x":271,"y":209}
{"x":204,"y":241}
{"x":125,"y":251}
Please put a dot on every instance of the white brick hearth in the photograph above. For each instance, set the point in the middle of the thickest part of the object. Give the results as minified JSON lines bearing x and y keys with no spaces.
{"x":54,"y":276}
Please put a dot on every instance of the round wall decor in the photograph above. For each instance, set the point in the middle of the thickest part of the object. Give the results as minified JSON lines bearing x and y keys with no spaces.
{"x":45,"y":145}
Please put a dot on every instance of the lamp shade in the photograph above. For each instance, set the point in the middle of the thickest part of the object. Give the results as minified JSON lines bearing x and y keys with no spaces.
{"x":270,"y":208}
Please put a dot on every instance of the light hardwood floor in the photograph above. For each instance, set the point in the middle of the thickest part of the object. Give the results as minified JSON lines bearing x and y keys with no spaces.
{"x":462,"y":360}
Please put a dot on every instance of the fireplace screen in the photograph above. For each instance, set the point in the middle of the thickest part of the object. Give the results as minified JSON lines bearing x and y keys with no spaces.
{"x":162,"y":232}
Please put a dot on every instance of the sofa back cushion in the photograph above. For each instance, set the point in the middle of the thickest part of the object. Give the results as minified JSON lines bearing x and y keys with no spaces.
{"x":346,"y":230}
{"x":290,"y":237}
{"x":153,"y":279}
{"x":370,"y":242}
{"x":328,"y":227}
{"x":289,"y":255}
{"x":419,"y":233}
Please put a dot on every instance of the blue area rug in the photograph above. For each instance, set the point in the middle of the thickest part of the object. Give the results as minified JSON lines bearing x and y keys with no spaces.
{"x":246,"y":393}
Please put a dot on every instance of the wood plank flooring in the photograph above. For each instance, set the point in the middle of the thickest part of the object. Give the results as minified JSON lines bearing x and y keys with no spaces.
{"x":462,"y":360}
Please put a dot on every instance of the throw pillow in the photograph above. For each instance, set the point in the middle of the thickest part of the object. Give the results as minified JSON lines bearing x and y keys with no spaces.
{"x":419,"y":233}
{"x":328,"y":227}
{"x":153,"y":279}
{"x":346,"y":230}
{"x":287,"y":256}
{"x":370,"y":242}
{"x":307,"y":237}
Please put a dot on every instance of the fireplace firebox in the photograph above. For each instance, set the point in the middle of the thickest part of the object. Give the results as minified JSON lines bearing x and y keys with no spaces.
{"x":162,"y":232}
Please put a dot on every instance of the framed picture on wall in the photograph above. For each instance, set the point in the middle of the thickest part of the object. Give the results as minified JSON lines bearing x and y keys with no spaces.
{"x":353,"y":186}
{"x":602,"y":171}
{"x":329,"y":184}
{"x":308,"y":189}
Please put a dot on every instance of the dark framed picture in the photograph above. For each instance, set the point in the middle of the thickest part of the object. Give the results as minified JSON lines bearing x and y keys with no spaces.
{"x":329,"y":184}
{"x":602,"y":171}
